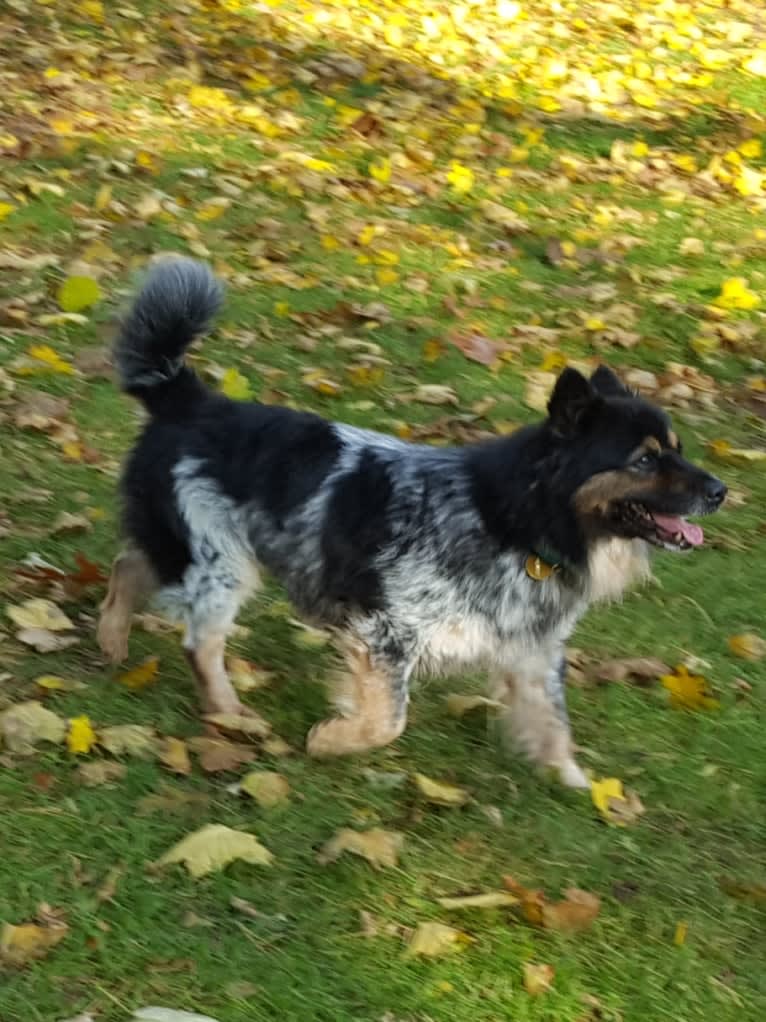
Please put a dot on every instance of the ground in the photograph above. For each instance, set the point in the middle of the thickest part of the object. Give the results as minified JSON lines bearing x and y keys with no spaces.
{"x":421,"y":211}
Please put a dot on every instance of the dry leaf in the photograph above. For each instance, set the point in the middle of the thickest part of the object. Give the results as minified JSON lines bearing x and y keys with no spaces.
{"x":689,"y":691}
{"x":459,"y":705}
{"x":67,"y":522}
{"x":108,"y":886}
{"x":156,"y":1014}
{"x":246,"y":676}
{"x":23,"y":725}
{"x":45,"y":641}
{"x":81,"y":737}
{"x":39,"y":614}
{"x":175,"y":756}
{"x":722,"y":450}
{"x":538,"y":389}
{"x":439,"y":793}
{"x":100,"y":771}
{"x":39,"y":410}
{"x":492,"y":899}
{"x":129,"y":740}
{"x":52,"y":683}
{"x":435,"y":394}
{"x":268,"y":788}
{"x":142,"y":675}
{"x":381,"y":848}
{"x":249,"y":723}
{"x":213,"y":847}
{"x":478,"y":348}
{"x":638,"y":669}
{"x":617,"y":807}
{"x":218,"y":754}
{"x":748,"y":646}
{"x":171,"y":800}
{"x":29,"y":941}
{"x":576,"y":911}
{"x":538,"y":978}
{"x":432,"y":940}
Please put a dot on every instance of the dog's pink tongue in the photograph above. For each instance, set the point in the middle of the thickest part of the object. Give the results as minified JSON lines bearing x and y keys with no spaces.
{"x":671,"y":523}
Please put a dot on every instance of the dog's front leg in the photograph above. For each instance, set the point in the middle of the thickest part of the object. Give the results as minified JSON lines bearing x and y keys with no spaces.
{"x":536,"y":719}
{"x":372,"y":697}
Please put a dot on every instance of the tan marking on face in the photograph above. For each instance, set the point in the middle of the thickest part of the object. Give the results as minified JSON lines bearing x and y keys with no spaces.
{"x":365,"y":691}
{"x":673,"y":440}
{"x":597,"y":493}
{"x":652,"y":444}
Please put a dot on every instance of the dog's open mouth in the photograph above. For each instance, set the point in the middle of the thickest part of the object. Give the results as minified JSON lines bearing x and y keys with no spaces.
{"x":673,"y":532}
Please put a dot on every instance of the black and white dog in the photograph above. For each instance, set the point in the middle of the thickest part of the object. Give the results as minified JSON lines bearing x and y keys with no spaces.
{"x":417,"y":557}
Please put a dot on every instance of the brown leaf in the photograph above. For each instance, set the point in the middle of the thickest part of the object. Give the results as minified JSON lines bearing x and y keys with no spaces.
{"x":100,"y":771}
{"x":70,"y":523}
{"x":250,"y":723}
{"x":175,"y":756}
{"x":22,"y":944}
{"x":168,"y":799}
{"x":477,"y":348}
{"x":576,"y":911}
{"x":641,"y":670}
{"x":379,"y":847}
{"x":218,"y":754}
{"x":95,"y":362}
{"x":25,"y":724}
{"x":39,"y":410}
{"x":129,"y":740}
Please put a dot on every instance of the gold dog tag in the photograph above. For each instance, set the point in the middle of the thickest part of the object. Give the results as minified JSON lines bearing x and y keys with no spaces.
{"x":538,"y":569}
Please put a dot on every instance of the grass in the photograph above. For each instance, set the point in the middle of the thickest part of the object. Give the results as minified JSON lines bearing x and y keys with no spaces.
{"x":167,"y":939}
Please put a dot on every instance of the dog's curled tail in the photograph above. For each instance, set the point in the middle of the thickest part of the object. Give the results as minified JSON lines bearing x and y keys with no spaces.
{"x":176,"y":303}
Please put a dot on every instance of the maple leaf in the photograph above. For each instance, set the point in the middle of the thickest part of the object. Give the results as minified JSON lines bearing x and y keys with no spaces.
{"x":27,"y":942}
{"x":213,"y":847}
{"x":689,"y":691}
{"x":268,"y":788}
{"x":23,"y":725}
{"x":81,"y":737}
{"x":141,"y":676}
{"x":432,"y":940}
{"x":174,"y":754}
{"x":617,"y":807}
{"x":381,"y":848}
{"x":39,"y":613}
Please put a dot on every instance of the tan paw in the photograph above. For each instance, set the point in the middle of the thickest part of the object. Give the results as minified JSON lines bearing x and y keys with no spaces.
{"x":112,"y":638}
{"x":344,"y":736}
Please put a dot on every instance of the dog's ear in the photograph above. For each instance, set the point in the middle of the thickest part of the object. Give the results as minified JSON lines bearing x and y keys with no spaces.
{"x":608,"y":384}
{"x":571,"y":398}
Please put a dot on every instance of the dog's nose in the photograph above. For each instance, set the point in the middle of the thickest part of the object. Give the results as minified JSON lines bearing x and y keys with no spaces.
{"x":715,"y":491}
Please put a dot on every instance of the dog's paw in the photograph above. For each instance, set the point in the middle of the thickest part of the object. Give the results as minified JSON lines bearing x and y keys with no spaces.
{"x":112,"y":640}
{"x":329,"y":738}
{"x":571,"y":776}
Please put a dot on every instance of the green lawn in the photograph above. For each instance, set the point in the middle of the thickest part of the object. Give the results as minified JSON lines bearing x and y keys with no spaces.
{"x":379,"y":184}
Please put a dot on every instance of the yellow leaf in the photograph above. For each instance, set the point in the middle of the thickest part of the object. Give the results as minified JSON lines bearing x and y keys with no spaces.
{"x":268,"y":788}
{"x":748,"y":646}
{"x":204,"y":98}
{"x":52,"y":683}
{"x":129,"y":740}
{"x":78,"y":293}
{"x":50,"y":359}
{"x":380,"y":170}
{"x":39,"y":613}
{"x":282,"y":309}
{"x":29,"y":941}
{"x":751,"y":149}
{"x":213,"y":847}
{"x":553,"y":361}
{"x":439,"y":792}
{"x":749,"y":181}
{"x":213,"y":209}
{"x":174,"y":754}
{"x":679,"y":937}
{"x":5,"y":210}
{"x":459,"y":705}
{"x":723,"y":451}
{"x":141,"y":676}
{"x":593,"y":323}
{"x":432,"y":940}
{"x":81,"y":737}
{"x":393,"y":35}
{"x":246,"y":676}
{"x":329,"y":242}
{"x":432,"y":351}
{"x":250,"y":723}
{"x":736,"y":295}
{"x":538,"y":978}
{"x":367,"y":234}
{"x":385,"y":276}
{"x":235,"y":385}
{"x":756,"y":64}
{"x":386,"y":257}
{"x":492,"y":899}
{"x":617,"y":807}
{"x":460,"y":178}
{"x":322,"y":384}
{"x":689,"y":691}
{"x":381,"y":848}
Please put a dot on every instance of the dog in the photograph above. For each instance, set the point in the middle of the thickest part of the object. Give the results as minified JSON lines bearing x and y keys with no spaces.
{"x":415,"y":557}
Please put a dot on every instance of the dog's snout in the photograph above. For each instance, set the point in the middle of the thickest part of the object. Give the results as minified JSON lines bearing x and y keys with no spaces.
{"x":715,"y":490}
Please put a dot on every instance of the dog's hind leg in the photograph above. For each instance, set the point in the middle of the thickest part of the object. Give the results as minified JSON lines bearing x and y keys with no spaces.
{"x":536,"y":719}
{"x":372,"y":696}
{"x":131,"y":583}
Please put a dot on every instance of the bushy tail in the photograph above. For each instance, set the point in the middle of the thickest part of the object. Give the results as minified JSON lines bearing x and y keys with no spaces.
{"x":176,"y":304}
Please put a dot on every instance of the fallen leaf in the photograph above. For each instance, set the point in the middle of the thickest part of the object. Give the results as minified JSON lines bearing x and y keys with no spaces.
{"x":641,"y":670}
{"x":537,"y":390}
{"x":246,"y":676}
{"x":617,"y":807}
{"x":689,"y":691}
{"x":45,"y":641}
{"x":492,"y":899}
{"x":218,"y":754}
{"x":27,"y":942}
{"x":141,"y":676}
{"x":460,"y":705}
{"x":175,"y":756}
{"x":722,"y":450}
{"x":77,"y":293}
{"x":679,"y":936}
{"x":735,"y":294}
{"x":531,"y":900}
{"x":39,"y":410}
{"x":52,"y":683}
{"x":440,"y":793}
{"x":433,"y":940}
{"x":240,"y":723}
{"x":100,"y":771}
{"x":268,"y":788}
{"x":23,"y":725}
{"x":743,"y":892}
{"x":435,"y":394}
{"x":381,"y":848}
{"x":129,"y":740}
{"x":748,"y":646}
{"x":108,"y":886}
{"x":538,"y":978}
{"x":68,"y":522}
{"x":236,"y":386}
{"x":478,"y":348}
{"x":496,"y":213}
{"x":213,"y":847}
{"x":81,"y":737}
{"x":168,"y":799}
{"x":576,"y":911}
{"x":692,"y":246}
{"x":40,"y":614}
{"x":156,"y":1014}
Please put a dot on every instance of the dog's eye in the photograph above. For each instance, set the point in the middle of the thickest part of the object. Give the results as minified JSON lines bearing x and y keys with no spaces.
{"x":646,"y":461}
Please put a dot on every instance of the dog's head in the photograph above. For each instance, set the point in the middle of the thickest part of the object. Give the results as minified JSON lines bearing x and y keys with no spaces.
{"x":624,"y":464}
